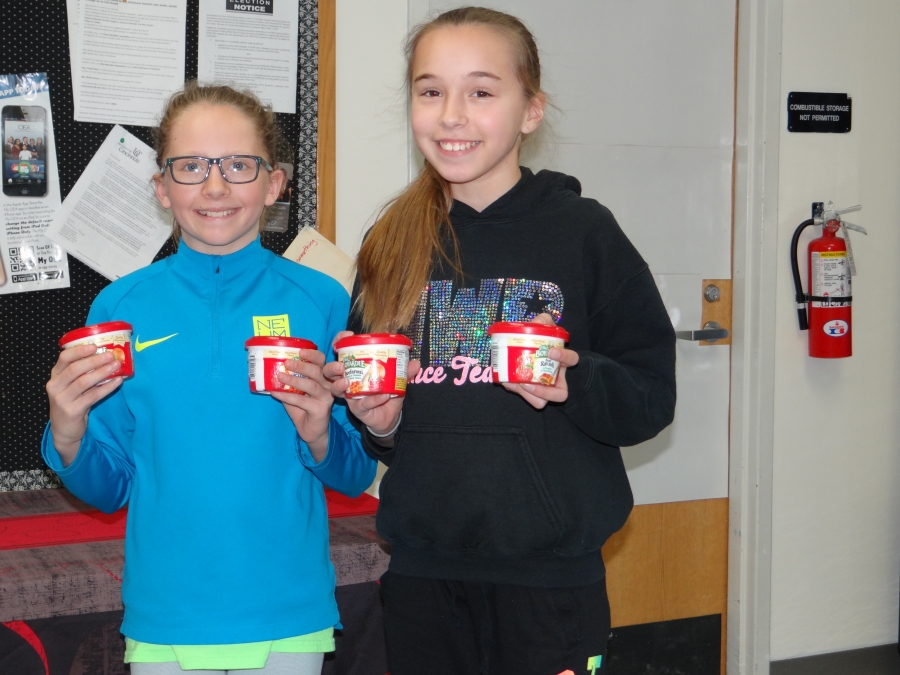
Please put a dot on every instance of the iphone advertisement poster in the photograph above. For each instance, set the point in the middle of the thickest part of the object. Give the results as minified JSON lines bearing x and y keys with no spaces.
{"x":29,"y":261}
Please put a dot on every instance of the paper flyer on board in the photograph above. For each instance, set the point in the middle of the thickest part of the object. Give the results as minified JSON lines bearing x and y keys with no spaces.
{"x":29,"y":261}
{"x":127,"y":58}
{"x":313,"y":250}
{"x":111,"y":220}
{"x":251,"y":44}
{"x":73,"y":14}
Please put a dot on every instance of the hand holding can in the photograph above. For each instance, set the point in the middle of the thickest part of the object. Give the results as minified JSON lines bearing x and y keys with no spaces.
{"x":93,"y":362}
{"x":266,"y":357}
{"x":112,"y":336}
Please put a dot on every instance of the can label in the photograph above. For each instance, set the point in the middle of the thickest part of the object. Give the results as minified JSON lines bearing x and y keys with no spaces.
{"x":375,"y":369}
{"x":264,"y":364}
{"x":524,"y":359}
{"x":118,"y":343}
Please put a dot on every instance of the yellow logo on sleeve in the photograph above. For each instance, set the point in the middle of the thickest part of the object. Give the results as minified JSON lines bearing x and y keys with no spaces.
{"x":272,"y":326}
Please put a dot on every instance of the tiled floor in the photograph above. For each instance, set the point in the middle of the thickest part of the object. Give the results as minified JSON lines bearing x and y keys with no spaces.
{"x":882,"y":660}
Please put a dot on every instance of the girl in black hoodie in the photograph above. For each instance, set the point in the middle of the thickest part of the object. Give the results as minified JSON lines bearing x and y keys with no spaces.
{"x":497,"y":500}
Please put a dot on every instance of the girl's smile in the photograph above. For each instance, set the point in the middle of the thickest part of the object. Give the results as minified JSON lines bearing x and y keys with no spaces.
{"x":456,"y":147}
{"x":217,"y":217}
{"x":469,"y":112}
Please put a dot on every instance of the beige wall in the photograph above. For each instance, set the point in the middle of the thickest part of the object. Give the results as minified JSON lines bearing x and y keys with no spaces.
{"x":836,"y":505}
{"x":371,"y":140}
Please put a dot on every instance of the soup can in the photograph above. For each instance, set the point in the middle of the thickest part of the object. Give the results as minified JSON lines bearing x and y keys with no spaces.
{"x":114,"y":336}
{"x":265,"y":359}
{"x":375,"y":363}
{"x":520,"y":352}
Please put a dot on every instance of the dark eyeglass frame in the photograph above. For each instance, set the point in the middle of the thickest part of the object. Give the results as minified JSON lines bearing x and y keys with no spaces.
{"x":218,"y":162}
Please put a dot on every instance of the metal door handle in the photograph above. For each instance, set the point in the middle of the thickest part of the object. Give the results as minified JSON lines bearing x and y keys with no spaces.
{"x":710,"y":332}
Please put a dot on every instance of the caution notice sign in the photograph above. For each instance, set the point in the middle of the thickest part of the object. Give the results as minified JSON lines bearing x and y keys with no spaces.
{"x":819,"y":113}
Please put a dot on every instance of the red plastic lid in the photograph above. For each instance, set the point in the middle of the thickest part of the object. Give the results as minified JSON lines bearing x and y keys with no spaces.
{"x":373,"y":339}
{"x":96,"y":329}
{"x":272,"y":341}
{"x":523,"y":328}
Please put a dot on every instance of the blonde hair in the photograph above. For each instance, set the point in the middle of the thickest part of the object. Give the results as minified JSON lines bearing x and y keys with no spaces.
{"x":413,"y":233}
{"x":261,"y":116}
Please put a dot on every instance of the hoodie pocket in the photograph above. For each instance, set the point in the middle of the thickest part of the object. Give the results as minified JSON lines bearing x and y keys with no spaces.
{"x":464,"y":490}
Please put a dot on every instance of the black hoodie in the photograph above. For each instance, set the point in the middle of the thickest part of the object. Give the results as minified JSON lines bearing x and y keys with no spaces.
{"x":481,"y":486}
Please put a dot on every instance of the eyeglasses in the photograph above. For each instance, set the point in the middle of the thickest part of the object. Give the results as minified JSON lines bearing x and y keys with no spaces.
{"x":235,"y":169}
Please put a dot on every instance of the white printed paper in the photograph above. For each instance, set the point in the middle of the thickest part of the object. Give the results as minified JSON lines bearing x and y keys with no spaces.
{"x":29,"y":261}
{"x":73,"y":14}
{"x":111,"y":220}
{"x":127,"y":59}
{"x":251,"y":44}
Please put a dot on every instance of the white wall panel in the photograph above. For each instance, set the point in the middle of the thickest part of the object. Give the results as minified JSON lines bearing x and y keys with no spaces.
{"x":641,"y":72}
{"x":371,"y":161}
{"x":836,"y":502}
{"x":673,"y":203}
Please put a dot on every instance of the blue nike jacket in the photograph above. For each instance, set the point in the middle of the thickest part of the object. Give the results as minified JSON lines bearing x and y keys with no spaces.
{"x":227,"y":532}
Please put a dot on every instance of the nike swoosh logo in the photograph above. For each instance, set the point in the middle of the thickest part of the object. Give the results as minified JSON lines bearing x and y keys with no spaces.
{"x":140,"y":346}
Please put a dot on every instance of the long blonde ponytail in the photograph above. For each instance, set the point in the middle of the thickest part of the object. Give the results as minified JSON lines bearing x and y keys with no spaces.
{"x":396,"y":260}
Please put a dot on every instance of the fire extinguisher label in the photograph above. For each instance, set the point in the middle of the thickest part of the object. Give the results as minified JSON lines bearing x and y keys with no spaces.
{"x":830,"y":276}
{"x":836,"y":328}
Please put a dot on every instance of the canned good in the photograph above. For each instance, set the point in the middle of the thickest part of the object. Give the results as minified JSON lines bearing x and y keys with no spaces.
{"x":520,"y":352}
{"x":265,"y":359}
{"x":374,"y":363}
{"x":114,"y":336}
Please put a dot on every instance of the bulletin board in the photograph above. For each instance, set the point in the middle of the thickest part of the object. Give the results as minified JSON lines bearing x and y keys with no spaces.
{"x":32,"y":322}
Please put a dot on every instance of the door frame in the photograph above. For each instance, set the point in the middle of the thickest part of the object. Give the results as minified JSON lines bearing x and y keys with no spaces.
{"x":755,"y":258}
{"x":326,"y":177}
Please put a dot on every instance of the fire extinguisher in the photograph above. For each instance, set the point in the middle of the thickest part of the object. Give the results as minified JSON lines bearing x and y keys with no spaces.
{"x":825,"y":310}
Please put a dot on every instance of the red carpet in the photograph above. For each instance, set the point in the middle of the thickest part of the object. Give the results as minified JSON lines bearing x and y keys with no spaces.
{"x":54,"y":529}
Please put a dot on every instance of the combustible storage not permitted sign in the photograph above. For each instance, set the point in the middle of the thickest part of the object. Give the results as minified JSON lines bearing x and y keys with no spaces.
{"x":819,"y":113}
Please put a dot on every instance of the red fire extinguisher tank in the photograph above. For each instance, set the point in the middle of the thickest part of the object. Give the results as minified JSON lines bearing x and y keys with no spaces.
{"x":829,"y":277}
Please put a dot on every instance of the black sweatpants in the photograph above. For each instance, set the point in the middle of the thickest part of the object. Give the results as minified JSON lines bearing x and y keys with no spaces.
{"x":468,"y":628}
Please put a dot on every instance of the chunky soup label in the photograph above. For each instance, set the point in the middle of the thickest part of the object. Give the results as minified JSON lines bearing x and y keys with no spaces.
{"x":524,"y":358}
{"x":264,"y":364}
{"x":375,"y":369}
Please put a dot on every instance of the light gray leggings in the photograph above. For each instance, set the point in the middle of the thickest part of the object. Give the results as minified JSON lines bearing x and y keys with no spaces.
{"x":278,"y":664}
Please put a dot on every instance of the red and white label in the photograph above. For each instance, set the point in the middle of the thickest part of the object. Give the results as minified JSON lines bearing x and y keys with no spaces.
{"x":264,"y":364}
{"x":524,"y":358}
{"x":119,"y":343}
{"x":375,"y":369}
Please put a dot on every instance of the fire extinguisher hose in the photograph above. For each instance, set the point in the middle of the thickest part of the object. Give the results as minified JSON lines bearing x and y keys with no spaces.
{"x":799,"y":295}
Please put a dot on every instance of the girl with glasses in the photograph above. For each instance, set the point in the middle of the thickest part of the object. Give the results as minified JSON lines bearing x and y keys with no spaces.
{"x":226,"y":547}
